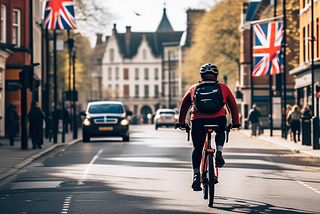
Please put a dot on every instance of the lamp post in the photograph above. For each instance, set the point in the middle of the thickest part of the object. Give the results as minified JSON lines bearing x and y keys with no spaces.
{"x":74,"y":97}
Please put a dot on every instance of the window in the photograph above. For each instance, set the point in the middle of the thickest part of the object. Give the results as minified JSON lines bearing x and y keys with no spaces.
{"x":16,"y":27}
{"x":117,"y":73}
{"x":109,"y":91}
{"x":126,"y":74}
{"x":146,"y":91}
{"x":304,"y":43}
{"x":99,"y":61}
{"x":117,"y":91}
{"x":136,"y":90}
{"x":156,"y":91}
{"x":111,"y":54}
{"x":109,"y":73}
{"x":146,"y":73}
{"x":136,"y":73}
{"x":156,"y":73}
{"x":144,"y":54}
{"x":317,"y":37}
{"x":3,"y":23}
{"x":308,"y":33}
{"x":126,"y":91}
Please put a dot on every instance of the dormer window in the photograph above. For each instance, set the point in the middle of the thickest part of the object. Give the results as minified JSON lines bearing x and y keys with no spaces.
{"x":111,"y":54}
{"x":144,"y":54}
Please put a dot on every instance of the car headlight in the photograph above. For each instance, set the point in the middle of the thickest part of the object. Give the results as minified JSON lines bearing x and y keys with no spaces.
{"x":176,"y":116}
{"x":86,"y":122}
{"x":157,"y":117}
{"x":124,"y":122}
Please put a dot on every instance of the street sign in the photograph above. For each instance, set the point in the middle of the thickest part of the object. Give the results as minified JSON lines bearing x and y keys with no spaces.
{"x":318,"y":94}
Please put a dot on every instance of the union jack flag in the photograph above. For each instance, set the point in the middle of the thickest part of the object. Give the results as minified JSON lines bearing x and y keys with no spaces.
{"x":59,"y":14}
{"x":267,"y":49}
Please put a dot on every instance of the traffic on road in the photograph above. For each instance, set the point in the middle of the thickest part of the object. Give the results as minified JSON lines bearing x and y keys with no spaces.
{"x":152,"y":173}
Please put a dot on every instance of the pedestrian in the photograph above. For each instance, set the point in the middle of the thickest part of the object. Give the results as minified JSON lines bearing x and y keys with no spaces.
{"x":288,"y":130}
{"x":254,"y":118}
{"x":306,"y":112}
{"x":12,"y":123}
{"x":36,"y":118}
{"x":294,"y":121}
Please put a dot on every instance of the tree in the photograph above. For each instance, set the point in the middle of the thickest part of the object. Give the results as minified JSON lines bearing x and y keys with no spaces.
{"x":216,"y":40}
{"x":91,"y":16}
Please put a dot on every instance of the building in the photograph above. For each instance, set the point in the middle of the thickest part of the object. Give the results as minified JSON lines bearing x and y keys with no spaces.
{"x":303,"y":72}
{"x":257,"y":89}
{"x":141,"y":69}
{"x":15,"y":51}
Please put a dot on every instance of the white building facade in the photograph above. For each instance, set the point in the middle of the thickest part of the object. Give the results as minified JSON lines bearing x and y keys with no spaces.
{"x":141,"y":69}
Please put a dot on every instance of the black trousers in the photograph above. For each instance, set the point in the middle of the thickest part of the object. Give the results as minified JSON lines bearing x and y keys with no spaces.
{"x":37,"y":138}
{"x":198,"y":136}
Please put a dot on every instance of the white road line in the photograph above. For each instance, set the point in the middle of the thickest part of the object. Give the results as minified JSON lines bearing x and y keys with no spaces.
{"x":309,"y":187}
{"x":80,"y":182}
{"x":65,"y":206}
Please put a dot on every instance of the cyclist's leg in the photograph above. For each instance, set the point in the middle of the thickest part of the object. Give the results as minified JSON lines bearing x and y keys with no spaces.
{"x":220,"y":138}
{"x":198,"y":138}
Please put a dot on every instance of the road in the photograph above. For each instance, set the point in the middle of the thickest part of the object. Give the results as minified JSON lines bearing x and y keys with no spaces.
{"x":152,"y":174}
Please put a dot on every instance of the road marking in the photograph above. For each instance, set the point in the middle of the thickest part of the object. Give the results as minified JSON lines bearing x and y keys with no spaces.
{"x":80,"y":182}
{"x":309,"y":187}
{"x":66,"y":204}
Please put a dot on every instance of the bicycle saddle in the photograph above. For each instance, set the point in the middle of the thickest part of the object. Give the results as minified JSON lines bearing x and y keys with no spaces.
{"x":213,"y":127}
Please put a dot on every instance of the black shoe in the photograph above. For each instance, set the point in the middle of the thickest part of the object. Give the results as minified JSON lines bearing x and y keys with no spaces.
{"x":219,"y":159}
{"x":196,"y":183}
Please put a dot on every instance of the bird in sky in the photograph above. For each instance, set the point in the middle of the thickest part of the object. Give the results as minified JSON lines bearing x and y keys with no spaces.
{"x":138,"y":14}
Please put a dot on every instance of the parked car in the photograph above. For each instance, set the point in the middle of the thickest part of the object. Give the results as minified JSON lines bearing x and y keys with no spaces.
{"x":165,"y":117}
{"x":105,"y":118}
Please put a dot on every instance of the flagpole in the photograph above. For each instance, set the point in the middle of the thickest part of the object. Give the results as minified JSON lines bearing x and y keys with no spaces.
{"x":55,"y":117}
{"x":284,"y":118}
{"x":251,"y":59}
{"x":270,"y":86}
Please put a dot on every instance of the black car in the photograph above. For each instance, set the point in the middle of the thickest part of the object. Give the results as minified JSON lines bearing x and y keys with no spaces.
{"x":105,"y":118}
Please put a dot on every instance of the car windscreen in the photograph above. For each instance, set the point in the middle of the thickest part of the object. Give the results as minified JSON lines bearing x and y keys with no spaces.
{"x":167,"y":112}
{"x":106,"y":108}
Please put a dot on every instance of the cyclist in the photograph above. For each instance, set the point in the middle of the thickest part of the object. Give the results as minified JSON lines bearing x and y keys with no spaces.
{"x":209,"y":73}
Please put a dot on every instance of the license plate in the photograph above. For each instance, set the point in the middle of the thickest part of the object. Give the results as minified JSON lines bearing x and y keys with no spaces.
{"x":105,"y":128}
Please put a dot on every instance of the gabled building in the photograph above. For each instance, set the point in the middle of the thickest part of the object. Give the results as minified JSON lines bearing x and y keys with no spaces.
{"x":141,"y":69}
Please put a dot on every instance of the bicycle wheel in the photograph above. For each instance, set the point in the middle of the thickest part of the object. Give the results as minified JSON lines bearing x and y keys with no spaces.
{"x":211,"y":180}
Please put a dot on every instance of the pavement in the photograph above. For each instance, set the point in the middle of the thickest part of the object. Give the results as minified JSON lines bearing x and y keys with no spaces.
{"x":13,"y":158}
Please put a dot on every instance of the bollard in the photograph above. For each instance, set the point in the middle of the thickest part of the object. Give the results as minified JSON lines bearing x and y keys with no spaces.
{"x":315,"y":133}
{"x":306,"y":131}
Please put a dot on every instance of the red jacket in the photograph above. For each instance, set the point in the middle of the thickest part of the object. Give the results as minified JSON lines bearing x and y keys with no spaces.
{"x":227,"y":98}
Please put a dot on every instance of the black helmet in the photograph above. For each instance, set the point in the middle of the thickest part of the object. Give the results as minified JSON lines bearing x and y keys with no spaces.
{"x":208,"y":67}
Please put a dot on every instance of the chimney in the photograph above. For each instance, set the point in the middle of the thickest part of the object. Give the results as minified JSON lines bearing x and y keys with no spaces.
{"x":114,"y":30}
{"x":127,"y":38}
{"x":99,"y":38}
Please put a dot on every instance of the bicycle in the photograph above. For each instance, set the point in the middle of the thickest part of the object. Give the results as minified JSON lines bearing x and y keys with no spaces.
{"x":208,"y":170}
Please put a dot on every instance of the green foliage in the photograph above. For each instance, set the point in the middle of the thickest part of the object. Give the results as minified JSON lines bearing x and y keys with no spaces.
{"x":216,"y":40}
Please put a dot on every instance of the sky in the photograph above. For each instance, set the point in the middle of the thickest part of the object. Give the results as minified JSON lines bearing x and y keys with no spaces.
{"x":124,"y":12}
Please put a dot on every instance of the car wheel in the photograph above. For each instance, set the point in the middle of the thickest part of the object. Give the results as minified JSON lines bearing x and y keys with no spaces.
{"x":126,"y":138}
{"x":85,"y":138}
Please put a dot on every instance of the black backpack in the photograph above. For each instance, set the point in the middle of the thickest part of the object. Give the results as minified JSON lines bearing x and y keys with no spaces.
{"x":208,"y":98}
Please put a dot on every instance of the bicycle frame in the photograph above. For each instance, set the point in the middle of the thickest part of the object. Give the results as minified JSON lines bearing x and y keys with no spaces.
{"x":206,"y":151}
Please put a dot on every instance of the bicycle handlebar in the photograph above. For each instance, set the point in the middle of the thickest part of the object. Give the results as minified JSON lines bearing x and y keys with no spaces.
{"x":187,"y":128}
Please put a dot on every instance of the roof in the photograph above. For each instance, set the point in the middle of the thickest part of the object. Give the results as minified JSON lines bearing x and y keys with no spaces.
{"x":252,"y":9}
{"x":164,"y":24}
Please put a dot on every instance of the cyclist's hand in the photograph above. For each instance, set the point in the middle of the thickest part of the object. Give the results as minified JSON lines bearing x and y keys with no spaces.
{"x":182,"y":126}
{"x":236,"y":125}
{"x":179,"y":125}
